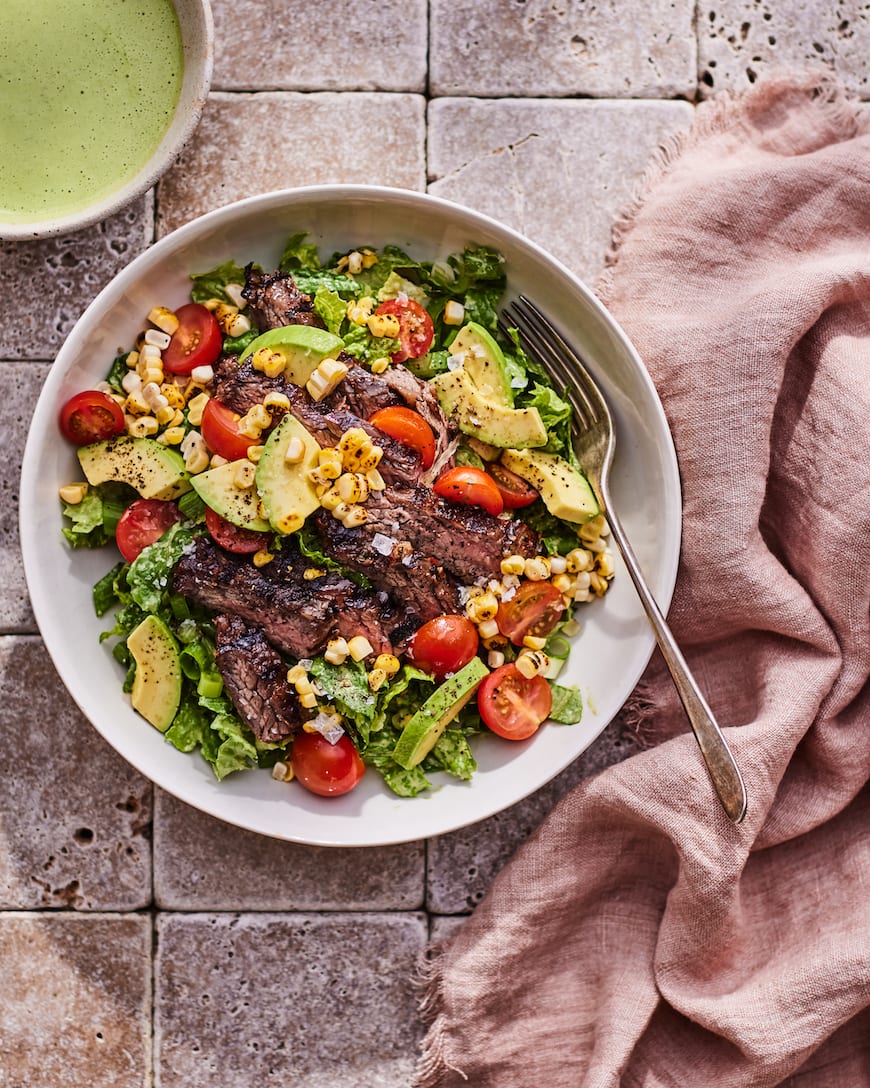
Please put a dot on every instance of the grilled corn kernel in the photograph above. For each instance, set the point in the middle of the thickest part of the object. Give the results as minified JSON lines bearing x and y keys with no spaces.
{"x":558,"y":564}
{"x":254,"y":453}
{"x":336,"y":651}
{"x":604,"y":564}
{"x":359,"y":647}
{"x":278,"y":401}
{"x":233,"y":291}
{"x":262,"y":557}
{"x":73,"y":493}
{"x":296,"y":672}
{"x":597,"y":584}
{"x":254,"y":421}
{"x":131,"y":382}
{"x":143,"y":427}
{"x":513,"y":564}
{"x":216,"y":461}
{"x":244,"y":475}
{"x":195,"y":408}
{"x":158,"y":338}
{"x":537,"y":569}
{"x":378,"y":366}
{"x":533,"y":642}
{"x":290,"y":523}
{"x":375,"y":480}
{"x":488,"y":629}
{"x":353,"y":487}
{"x":356,"y":516}
{"x":482,"y":608}
{"x":309,"y":701}
{"x":325,"y":378}
{"x":295,"y":451}
{"x":369,"y":258}
{"x":532,"y":663}
{"x":354,"y":262}
{"x":174,"y":396}
{"x":377,"y":678}
{"x":495,"y":659}
{"x":164,"y":415}
{"x":388,"y":662}
{"x":359,"y":310}
{"x":303,"y":685}
{"x":149,"y":354}
{"x":195,"y":452}
{"x":311,"y":574}
{"x":454,"y":313}
{"x":593,"y":528}
{"x":368,"y":458}
{"x":578,"y":559}
{"x":135,"y":404}
{"x":329,"y":463}
{"x":282,"y":772}
{"x":495,"y":642}
{"x":563,"y":582}
{"x":172,"y":436}
{"x":132,"y":359}
{"x":330,"y":499}
{"x":268,"y":362}
{"x":164,"y":319}
{"x":351,"y":440}
{"x":150,"y":374}
{"x":581,"y":581}
{"x":384,"y":325}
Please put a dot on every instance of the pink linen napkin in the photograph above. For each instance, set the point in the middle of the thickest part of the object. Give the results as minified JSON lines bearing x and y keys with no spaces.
{"x":639,"y":937}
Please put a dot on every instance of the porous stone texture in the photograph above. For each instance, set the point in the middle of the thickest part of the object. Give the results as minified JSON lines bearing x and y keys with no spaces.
{"x":739,"y":40}
{"x":358,"y":46}
{"x":557,"y":172}
{"x":75,"y":818}
{"x":76,"y":1004}
{"x":562,"y":47}
{"x":322,"y":1000}
{"x":463,"y":864}
{"x":51,"y":281}
{"x":203,"y":864}
{"x":253,"y":143}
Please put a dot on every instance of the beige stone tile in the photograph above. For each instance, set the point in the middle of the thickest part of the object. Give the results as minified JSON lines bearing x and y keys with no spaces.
{"x":253,"y":143}
{"x":76,"y":1006}
{"x":50,"y":282}
{"x":740,"y":40}
{"x":557,"y":172}
{"x":536,"y":47}
{"x":363,"y":45}
{"x":324,"y":1001}
{"x":75,"y":819}
{"x":201,"y":863}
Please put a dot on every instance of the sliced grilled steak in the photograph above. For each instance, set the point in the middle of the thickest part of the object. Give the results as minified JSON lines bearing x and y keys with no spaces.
{"x":255,"y":677}
{"x":275,"y":300}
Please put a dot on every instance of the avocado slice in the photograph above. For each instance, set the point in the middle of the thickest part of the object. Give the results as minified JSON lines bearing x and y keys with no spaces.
{"x":154,"y":470}
{"x":286,"y":493}
{"x":484,"y":363}
{"x":565,"y":491}
{"x":304,"y":347}
{"x":156,"y":691}
{"x":486,"y":419}
{"x":419,"y":736}
{"x":217,"y":489}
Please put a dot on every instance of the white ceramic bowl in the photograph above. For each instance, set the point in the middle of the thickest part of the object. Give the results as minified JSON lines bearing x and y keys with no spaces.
{"x":615,"y":642}
{"x":197,"y":40}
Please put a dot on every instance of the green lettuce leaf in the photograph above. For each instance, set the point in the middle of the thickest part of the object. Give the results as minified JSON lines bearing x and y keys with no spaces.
{"x":299,"y":254}
{"x":212,"y":284}
{"x":150,"y":573}
{"x":452,"y":753}
{"x":94,"y":519}
{"x":331,"y":307}
{"x":379,"y":754}
{"x":567,"y":704}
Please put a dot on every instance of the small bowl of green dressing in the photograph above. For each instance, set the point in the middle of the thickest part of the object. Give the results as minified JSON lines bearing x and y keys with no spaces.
{"x":98,"y":98}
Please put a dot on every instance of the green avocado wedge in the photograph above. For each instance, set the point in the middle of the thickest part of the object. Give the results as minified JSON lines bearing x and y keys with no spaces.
{"x":488,"y":420}
{"x":484,"y":363}
{"x":217,"y":489}
{"x":303,"y":347}
{"x":287,"y":496}
{"x":419,"y":736}
{"x":565,"y":491}
{"x":154,"y":470}
{"x":156,"y":691}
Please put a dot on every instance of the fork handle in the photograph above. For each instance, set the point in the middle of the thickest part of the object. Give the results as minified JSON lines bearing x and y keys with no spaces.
{"x":721,"y":765}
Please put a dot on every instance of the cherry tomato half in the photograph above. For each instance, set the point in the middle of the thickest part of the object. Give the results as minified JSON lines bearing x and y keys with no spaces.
{"x":512,"y":705}
{"x":324,"y":768}
{"x":91,"y":416}
{"x":233,"y":538}
{"x":220,"y":429}
{"x":515,"y":491}
{"x":534,"y":609}
{"x":415,"y":327}
{"x":142,"y":523}
{"x":409,"y":428}
{"x":196,"y":342}
{"x":444,"y":644}
{"x":471,"y":487}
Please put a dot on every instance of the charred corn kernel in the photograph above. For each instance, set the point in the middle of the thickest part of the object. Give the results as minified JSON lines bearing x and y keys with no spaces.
{"x":488,"y":629}
{"x":578,"y":559}
{"x":354,"y":262}
{"x":254,"y":421}
{"x":356,"y":516}
{"x":359,"y":647}
{"x":152,"y":396}
{"x":597,"y":584}
{"x":368,"y":458}
{"x":353,"y":487}
{"x":309,"y":701}
{"x":202,"y":375}
{"x":495,"y":659}
{"x":254,"y":453}
{"x":311,"y":574}
{"x":195,"y":408}
{"x":375,"y":480}
{"x":73,"y":493}
{"x":195,"y":452}
{"x":473,"y":591}
{"x":265,"y":357}
{"x":131,"y":382}
{"x":213,"y":303}
{"x":533,"y":642}
{"x":233,"y":291}
{"x":582,"y":580}
{"x":237,"y":325}
{"x":157,"y":338}
{"x":369,"y":258}
{"x":378,"y":366}
{"x":537,"y":569}
{"x":290,"y":523}
{"x":329,"y":463}
{"x":388,"y":662}
{"x":593,"y":528}
{"x":151,"y":374}
{"x":276,"y":401}
{"x":172,"y":436}
{"x":216,"y":461}
{"x":303,"y":685}
{"x":532,"y":663}
{"x":325,"y":378}
{"x":513,"y":564}
{"x":454,"y":313}
{"x":341,"y":263}
{"x":149,"y":352}
{"x":352,"y":439}
{"x":244,"y":475}
{"x":583,"y":595}
{"x":132,"y":359}
{"x":262,"y":557}
{"x":295,"y":451}
{"x":321,"y":482}
{"x":282,"y":772}
{"x":135,"y":404}
{"x":496,"y":642}
{"x":383,"y":325}
{"x":563,"y":582}
{"x":164,"y":319}
{"x":336,"y":651}
{"x":164,"y":415}
{"x":558,"y":564}
{"x":330,"y":499}
{"x":359,"y":310}
{"x":482,"y":608}
{"x":377,"y":678}
{"x":604,"y":564}
{"x":144,"y":427}
{"x":296,"y":672}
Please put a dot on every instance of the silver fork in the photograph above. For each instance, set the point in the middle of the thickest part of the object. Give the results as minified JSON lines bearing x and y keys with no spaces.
{"x":594,"y":442}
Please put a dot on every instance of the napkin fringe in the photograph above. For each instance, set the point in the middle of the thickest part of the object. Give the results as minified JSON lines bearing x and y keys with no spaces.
{"x":432,"y":1062}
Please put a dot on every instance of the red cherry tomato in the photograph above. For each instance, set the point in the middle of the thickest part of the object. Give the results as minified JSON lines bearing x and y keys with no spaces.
{"x":515,"y":492}
{"x":534,"y":609}
{"x":91,"y":416}
{"x":415,"y":327}
{"x":142,"y":523}
{"x":409,"y":428}
{"x":471,"y":487}
{"x":233,"y":537}
{"x":444,"y":645}
{"x":220,"y":429}
{"x":512,"y":705}
{"x":196,"y":342}
{"x":324,"y":768}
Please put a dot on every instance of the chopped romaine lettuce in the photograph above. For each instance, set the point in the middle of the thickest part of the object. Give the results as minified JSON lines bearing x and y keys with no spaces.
{"x":212,"y":284}
{"x":567,"y":704}
{"x":331,"y":307}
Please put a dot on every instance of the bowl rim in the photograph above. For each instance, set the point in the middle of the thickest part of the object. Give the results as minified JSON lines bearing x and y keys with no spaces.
{"x":164,"y":155}
{"x":262,"y":202}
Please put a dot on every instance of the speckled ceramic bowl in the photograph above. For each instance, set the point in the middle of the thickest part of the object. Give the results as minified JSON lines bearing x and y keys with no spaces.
{"x":615,"y":642}
{"x":197,"y":39}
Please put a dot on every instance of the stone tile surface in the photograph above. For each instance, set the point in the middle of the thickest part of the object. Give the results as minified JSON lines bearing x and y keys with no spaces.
{"x":561,"y":48}
{"x":76,"y":1004}
{"x":365,"y":45}
{"x":252,"y":143}
{"x":324,"y":1001}
{"x":51,"y":281}
{"x":558,"y":172}
{"x":739,"y":40}
{"x":201,"y":863}
{"x":75,"y":819}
